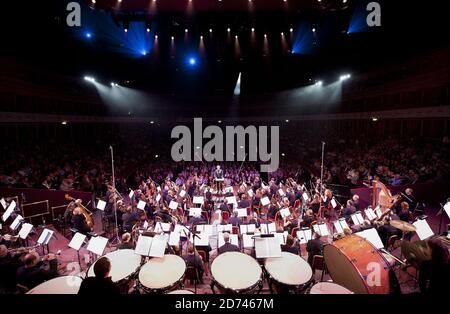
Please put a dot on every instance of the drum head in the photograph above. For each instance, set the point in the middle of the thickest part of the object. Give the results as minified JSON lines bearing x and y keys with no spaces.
{"x":236,"y":271}
{"x":123,"y":264}
{"x":342,"y":271}
{"x":181,"y":292}
{"x":328,"y":288}
{"x":59,"y":285}
{"x":162,"y":272}
{"x":289,"y":269}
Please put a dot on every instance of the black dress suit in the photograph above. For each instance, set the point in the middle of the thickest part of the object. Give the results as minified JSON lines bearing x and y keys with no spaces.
{"x":228,"y":247}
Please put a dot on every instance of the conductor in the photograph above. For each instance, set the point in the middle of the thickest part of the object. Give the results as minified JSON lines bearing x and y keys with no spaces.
{"x":218,"y":175}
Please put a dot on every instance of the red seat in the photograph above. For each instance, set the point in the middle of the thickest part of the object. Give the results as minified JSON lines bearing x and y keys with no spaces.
{"x":225,"y":216}
{"x":235,"y":230}
{"x":296,"y":204}
{"x":294,"y":232}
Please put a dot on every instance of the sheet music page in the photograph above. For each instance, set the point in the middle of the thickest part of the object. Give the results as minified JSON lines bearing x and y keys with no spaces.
{"x":97,"y":245}
{"x":281,"y":192}
{"x":207,"y":229}
{"x":378,"y":212}
{"x":195,"y":212}
{"x":447,"y":208}
{"x":101,"y":205}
{"x":284,"y":212}
{"x":158,"y":198}
{"x":25,"y":230}
{"x":370,"y":214}
{"x":251,"y":228}
{"x":242,"y":212}
{"x":174,"y":238}
{"x":77,"y":241}
{"x":45,"y":236}
{"x":143,"y":245}
{"x":338,"y":227}
{"x":267,"y":247}
{"x":223,"y":228}
{"x":243,"y":229}
{"x":202,"y":240}
{"x":158,"y":246}
{"x":231,"y":199}
{"x":305,"y":196}
{"x":343,"y":223}
{"x":131,"y":194}
{"x":198,"y":200}
{"x":333,"y":203}
{"x":281,"y":236}
{"x":265,"y":201}
{"x":372,"y":236}
{"x":360,"y":218}
{"x":423,"y":229}
{"x":182,"y":193}
{"x":179,"y":229}
{"x":250,"y":193}
{"x":324,"y":230}
{"x":16,"y":222}
{"x":9,"y":211}
{"x":247,"y":240}
{"x":162,"y":226}
{"x":3,"y":202}
{"x":141,"y":205}
{"x":355,"y":220}
{"x":173,"y":205}
{"x":272,"y":227}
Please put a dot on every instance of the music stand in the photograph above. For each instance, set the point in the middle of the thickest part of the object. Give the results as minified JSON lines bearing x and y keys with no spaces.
{"x":444,"y":208}
{"x":151,"y":246}
{"x":267,"y":246}
{"x":25,"y":231}
{"x":76,"y":243}
{"x":44,"y":239}
{"x":97,"y":245}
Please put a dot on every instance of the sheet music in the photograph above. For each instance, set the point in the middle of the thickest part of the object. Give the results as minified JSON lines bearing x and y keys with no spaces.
{"x":198,"y":200}
{"x":181,"y":229}
{"x":174,"y":238}
{"x":284,"y":212}
{"x":25,"y":230}
{"x":281,"y":192}
{"x":77,"y":241}
{"x":173,"y":205}
{"x":242,"y":212}
{"x":9,"y":211}
{"x":141,"y":205}
{"x":45,"y":236}
{"x":202,"y":240}
{"x":247,"y":241}
{"x":250,"y":228}
{"x":195,"y":212}
{"x":281,"y":236}
{"x":158,"y":198}
{"x":250,"y":193}
{"x":370,"y":214}
{"x":3,"y":202}
{"x":162,"y":226}
{"x":158,"y":246}
{"x":131,"y":194}
{"x":360,"y":217}
{"x":305,"y":196}
{"x":378,"y":212}
{"x":101,"y":205}
{"x":97,"y":245}
{"x":447,"y":208}
{"x":182,"y":193}
{"x":233,"y":239}
{"x":304,"y":235}
{"x":207,"y":229}
{"x":223,"y":228}
{"x":356,"y":220}
{"x":16,"y":222}
{"x":265,"y":201}
{"x":338,"y":227}
{"x":423,"y":229}
{"x":372,"y":236}
{"x":143,"y":245}
{"x":268,"y":228}
{"x":267,"y":247}
{"x":321,"y":229}
{"x":333,"y":203}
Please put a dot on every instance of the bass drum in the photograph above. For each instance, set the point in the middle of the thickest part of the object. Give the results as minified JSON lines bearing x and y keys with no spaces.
{"x":356,"y":264}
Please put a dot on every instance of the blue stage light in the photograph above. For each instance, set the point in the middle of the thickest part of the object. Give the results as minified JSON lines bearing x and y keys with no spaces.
{"x":192,"y":61}
{"x":88,"y":35}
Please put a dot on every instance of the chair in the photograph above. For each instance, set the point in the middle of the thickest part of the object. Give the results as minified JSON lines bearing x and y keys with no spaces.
{"x":235,"y":230}
{"x":318,"y":262}
{"x":296,"y":204}
{"x":391,"y":243}
{"x":294,"y":232}
{"x":192,"y":275}
{"x":225,"y":216}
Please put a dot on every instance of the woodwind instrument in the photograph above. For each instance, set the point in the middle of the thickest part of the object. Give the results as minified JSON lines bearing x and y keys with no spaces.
{"x":86,"y":212}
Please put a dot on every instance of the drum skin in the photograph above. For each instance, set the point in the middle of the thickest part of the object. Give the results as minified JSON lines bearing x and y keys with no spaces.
{"x":289,"y":269}
{"x":162,"y":273}
{"x":352,"y":263}
{"x":59,"y":285}
{"x":123,"y":264}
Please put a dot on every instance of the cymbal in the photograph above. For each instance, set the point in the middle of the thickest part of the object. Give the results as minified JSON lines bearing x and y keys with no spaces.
{"x":402,"y":225}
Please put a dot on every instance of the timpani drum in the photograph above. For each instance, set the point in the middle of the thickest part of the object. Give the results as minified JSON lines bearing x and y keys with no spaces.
{"x":328,"y":288}
{"x":59,"y":285}
{"x":289,"y":271}
{"x":235,"y":272}
{"x":356,"y":264}
{"x":124,"y":266}
{"x":162,"y":274}
{"x":181,"y":292}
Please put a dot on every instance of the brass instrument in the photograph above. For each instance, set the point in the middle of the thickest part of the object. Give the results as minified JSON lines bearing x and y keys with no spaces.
{"x":23,"y":249}
{"x":86,"y":212}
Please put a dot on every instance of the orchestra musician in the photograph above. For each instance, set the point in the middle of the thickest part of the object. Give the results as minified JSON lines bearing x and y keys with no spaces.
{"x":218,"y":176}
{"x":79,"y":221}
{"x":227,"y":246}
{"x":314,"y":247}
{"x":33,"y":272}
{"x":435,"y":272}
{"x":102,"y":282}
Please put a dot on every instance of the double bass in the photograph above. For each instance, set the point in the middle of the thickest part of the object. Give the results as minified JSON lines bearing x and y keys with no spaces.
{"x":86,"y":212}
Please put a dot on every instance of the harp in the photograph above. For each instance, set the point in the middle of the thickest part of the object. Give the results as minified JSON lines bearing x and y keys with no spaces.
{"x":381,"y":196}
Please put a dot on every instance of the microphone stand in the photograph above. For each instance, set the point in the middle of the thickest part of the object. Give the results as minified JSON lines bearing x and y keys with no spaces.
{"x":321,"y":171}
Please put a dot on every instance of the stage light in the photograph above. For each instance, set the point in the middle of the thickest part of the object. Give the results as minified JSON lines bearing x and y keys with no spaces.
{"x":282,"y":154}
{"x":156,"y":36}
{"x":151,"y":122}
{"x":318,"y":83}
{"x":172,"y":37}
{"x":313,"y":30}
{"x":125,"y":30}
{"x":186,"y":30}
{"x":374,"y":119}
{"x":156,"y":156}
{"x":236,"y":36}
{"x":220,"y":121}
{"x":291,"y":30}
{"x":93,"y":1}
{"x":344,"y":77}
{"x":88,"y":35}
{"x":114,"y":84}
{"x":143,"y":52}
{"x":265,"y":35}
{"x":287,"y":120}
{"x":192,"y":61}
{"x":210,"y":30}
{"x":253,"y":29}
{"x":148,"y":30}
{"x":64,"y":122}
{"x":89,"y":79}
{"x":228,"y":29}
